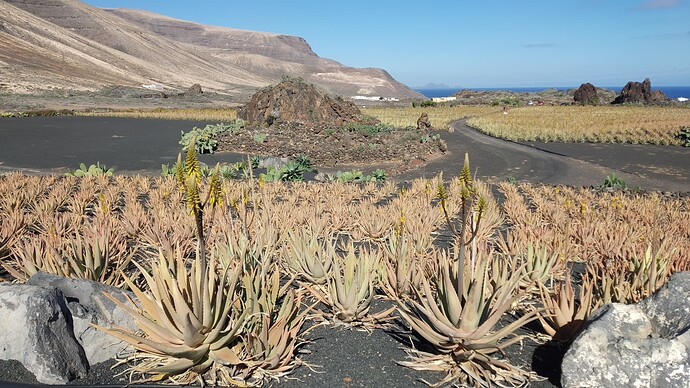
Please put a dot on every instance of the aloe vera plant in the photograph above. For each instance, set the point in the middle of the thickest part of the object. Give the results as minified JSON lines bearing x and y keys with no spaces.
{"x":189,"y":321}
{"x":401,"y":269}
{"x":564,"y":315}
{"x":350,"y":287}
{"x":539,"y":266}
{"x":308,"y":257}
{"x":273,"y":326}
{"x":461,"y":324}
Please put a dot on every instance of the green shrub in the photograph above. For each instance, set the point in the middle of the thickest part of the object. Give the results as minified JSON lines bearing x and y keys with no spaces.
{"x":424,"y":104}
{"x":612,"y":182}
{"x":378,"y":175}
{"x":228,"y":171}
{"x":207,"y":137}
{"x":93,"y":170}
{"x":291,"y":172}
{"x":304,"y":163}
{"x":254,"y":161}
{"x":260,"y":138}
{"x":349,"y":176}
{"x":684,"y":136}
{"x":167,"y":170}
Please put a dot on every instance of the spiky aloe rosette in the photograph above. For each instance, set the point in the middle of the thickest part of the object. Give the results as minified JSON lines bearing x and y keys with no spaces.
{"x":197,"y":324}
{"x":457,"y":311}
{"x":188,"y":320}
{"x":462,"y":324}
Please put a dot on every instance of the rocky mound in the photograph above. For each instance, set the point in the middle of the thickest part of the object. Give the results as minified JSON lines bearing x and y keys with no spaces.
{"x":586,"y":94}
{"x":294,"y":118}
{"x":640,"y":93}
{"x":294,"y":100}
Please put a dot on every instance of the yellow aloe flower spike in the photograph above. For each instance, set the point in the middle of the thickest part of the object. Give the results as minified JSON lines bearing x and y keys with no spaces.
{"x":215,"y":191}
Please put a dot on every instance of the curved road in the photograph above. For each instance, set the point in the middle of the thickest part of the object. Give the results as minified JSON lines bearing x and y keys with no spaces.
{"x":57,"y":144}
{"x":649,"y":167}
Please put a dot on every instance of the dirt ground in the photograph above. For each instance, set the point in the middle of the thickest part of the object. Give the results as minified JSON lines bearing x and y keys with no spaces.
{"x":331,"y":146}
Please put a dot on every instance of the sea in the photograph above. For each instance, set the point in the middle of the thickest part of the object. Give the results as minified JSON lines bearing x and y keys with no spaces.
{"x":672,"y":92}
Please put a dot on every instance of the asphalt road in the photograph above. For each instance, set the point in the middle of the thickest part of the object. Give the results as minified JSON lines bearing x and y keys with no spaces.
{"x":57,"y":144}
{"x":649,"y":167}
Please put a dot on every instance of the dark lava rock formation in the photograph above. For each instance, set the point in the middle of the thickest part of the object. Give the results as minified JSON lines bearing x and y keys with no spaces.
{"x":294,"y":100}
{"x":639,"y":93}
{"x":586,"y":94}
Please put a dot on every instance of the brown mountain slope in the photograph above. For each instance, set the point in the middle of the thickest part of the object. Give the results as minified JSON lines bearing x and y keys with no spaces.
{"x":67,"y":44}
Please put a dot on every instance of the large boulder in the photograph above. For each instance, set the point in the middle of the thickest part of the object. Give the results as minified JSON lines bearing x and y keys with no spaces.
{"x":194,"y":90}
{"x":294,"y":100}
{"x":37,"y":331}
{"x":89,"y":306}
{"x":51,"y":322}
{"x":639,"y":93}
{"x":586,"y":94}
{"x":643,"y":345}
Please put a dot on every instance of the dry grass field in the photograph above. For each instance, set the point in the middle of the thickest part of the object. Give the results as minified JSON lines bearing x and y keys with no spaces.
{"x":597,"y":124}
{"x":195,"y":114}
{"x":440,"y":116}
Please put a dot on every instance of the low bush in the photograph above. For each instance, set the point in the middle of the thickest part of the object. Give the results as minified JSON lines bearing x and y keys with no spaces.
{"x":684,"y":136}
{"x":94,"y":170}
{"x":207,"y":137}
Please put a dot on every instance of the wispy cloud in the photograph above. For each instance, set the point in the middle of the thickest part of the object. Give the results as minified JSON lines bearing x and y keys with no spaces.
{"x":660,"y":4}
{"x":539,"y":45}
{"x":665,"y":36}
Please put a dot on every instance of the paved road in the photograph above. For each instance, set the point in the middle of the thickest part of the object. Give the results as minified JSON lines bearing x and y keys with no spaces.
{"x":585,"y":164}
{"x":56,"y":144}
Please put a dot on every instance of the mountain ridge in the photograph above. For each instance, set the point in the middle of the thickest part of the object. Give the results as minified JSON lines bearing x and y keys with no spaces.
{"x":67,"y":44}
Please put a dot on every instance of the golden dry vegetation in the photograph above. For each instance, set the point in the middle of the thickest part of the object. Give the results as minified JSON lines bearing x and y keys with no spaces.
{"x":195,"y":114}
{"x":270,"y":247}
{"x":598,"y":124}
{"x":440,"y":116}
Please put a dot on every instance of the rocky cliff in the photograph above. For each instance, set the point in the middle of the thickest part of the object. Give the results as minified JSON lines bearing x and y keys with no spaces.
{"x":47,"y":44}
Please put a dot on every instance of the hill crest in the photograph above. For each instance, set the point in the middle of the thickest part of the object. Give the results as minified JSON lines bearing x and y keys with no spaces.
{"x":66,"y":44}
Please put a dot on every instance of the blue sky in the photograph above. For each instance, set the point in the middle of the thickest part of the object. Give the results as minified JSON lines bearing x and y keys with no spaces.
{"x":497,"y":43}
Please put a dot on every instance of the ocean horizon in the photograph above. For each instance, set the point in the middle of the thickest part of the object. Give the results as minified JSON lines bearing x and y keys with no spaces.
{"x":672,"y":92}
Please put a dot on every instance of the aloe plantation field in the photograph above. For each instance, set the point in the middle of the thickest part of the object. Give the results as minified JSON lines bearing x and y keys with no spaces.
{"x":228,"y":275}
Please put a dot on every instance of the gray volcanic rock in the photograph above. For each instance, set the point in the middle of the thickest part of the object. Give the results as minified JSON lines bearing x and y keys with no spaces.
{"x":643,"y":345}
{"x":38,"y":333}
{"x":88,"y":305}
{"x":194,"y":90}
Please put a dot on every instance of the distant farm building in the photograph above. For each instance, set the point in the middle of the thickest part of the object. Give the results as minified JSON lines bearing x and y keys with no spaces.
{"x":444,"y":99}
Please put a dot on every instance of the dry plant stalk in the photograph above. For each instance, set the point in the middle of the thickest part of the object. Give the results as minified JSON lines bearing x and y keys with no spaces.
{"x":600,"y":124}
{"x":440,"y":117}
